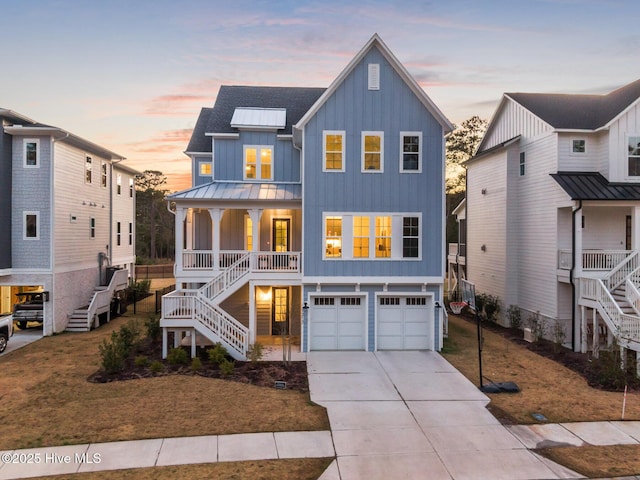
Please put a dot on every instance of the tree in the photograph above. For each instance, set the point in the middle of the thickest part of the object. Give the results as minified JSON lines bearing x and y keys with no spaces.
{"x":154,"y":224}
{"x":461,"y":145}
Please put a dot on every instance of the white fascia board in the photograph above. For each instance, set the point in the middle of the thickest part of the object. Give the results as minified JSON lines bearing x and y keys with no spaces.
{"x":373,"y":280}
{"x":222,"y":136}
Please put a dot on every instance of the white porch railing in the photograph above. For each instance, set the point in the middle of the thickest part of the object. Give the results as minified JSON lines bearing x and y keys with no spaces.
{"x":621,"y":272}
{"x":235,"y":336}
{"x":265,"y":261}
{"x":101,"y":301}
{"x":594,"y":259}
{"x":622,"y":324}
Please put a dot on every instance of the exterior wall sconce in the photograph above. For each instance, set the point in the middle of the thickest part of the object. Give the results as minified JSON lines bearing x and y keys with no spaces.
{"x":483,"y":191}
{"x":483,"y":248}
{"x":45,"y":296}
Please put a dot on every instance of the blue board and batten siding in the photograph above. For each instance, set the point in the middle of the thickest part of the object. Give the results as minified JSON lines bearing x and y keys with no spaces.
{"x":392,"y":109}
{"x":5,"y":200}
{"x":229,"y":157}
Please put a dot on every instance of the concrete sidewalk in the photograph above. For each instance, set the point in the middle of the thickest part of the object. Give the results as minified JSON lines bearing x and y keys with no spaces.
{"x":163,"y":451}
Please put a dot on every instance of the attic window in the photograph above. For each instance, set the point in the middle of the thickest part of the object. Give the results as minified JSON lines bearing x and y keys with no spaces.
{"x":374,"y":76}
{"x":249,"y":118}
{"x":578,"y":146}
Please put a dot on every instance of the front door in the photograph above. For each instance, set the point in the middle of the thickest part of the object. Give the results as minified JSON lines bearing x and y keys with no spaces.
{"x":280,"y":311}
{"x":281,"y":234}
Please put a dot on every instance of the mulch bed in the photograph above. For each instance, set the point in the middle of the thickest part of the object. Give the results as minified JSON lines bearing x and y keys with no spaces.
{"x":259,"y":373}
{"x":601,"y":373}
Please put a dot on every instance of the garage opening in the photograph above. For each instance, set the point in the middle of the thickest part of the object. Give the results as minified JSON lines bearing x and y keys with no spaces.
{"x":405,"y":322}
{"x":337,"y":323}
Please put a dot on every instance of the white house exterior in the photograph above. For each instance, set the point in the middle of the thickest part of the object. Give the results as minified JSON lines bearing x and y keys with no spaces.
{"x":60,"y":211}
{"x":315,"y":212}
{"x":553,"y":212}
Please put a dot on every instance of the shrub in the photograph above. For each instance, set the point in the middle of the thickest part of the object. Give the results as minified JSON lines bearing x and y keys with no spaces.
{"x":227,"y":366}
{"x":513,"y":313}
{"x":156,"y":366}
{"x":196,"y":364}
{"x":129,"y":335}
{"x":558,"y":336}
{"x":141,"y":361}
{"x":491,"y":306}
{"x":217,"y":354}
{"x":538,"y":326}
{"x":112,"y":353}
{"x":178,"y":356}
{"x":153,"y":327}
{"x":255,"y":352}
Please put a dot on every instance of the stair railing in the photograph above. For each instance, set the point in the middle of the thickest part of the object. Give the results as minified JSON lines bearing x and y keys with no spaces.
{"x":618,"y":275}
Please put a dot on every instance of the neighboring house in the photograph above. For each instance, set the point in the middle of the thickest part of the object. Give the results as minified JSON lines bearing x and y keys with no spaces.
{"x":315,"y":212}
{"x":456,"y":256}
{"x":553,"y":213}
{"x":63,"y":201}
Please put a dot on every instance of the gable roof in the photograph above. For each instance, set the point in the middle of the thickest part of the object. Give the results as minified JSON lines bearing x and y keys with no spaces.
{"x":376,"y":42}
{"x":296,"y":101}
{"x":578,"y":112}
{"x":593,"y":186}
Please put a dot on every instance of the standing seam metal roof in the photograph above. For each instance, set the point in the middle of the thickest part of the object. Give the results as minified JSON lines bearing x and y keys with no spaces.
{"x":593,"y":186}
{"x":241,"y":191}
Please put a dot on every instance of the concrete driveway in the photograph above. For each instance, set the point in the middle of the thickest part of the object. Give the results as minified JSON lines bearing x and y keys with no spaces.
{"x":412,"y":415}
{"x":21,"y":338}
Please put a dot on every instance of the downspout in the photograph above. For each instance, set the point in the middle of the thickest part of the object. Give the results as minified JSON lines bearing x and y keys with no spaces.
{"x":574,"y":214}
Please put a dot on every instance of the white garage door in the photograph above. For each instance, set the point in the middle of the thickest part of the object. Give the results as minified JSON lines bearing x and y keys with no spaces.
{"x":337,"y":323}
{"x":405,"y":323}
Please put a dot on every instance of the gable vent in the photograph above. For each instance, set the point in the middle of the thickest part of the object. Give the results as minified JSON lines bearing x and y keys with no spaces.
{"x":374,"y":76}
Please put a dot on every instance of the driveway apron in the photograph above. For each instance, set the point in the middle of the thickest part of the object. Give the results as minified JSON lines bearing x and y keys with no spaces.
{"x":413,"y":415}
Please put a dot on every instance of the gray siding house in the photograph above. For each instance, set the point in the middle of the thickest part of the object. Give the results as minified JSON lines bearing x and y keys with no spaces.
{"x":57,"y":215}
{"x":315,"y":212}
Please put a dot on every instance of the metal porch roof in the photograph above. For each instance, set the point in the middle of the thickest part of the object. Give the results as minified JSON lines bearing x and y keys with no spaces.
{"x":593,"y":186}
{"x":241,"y":191}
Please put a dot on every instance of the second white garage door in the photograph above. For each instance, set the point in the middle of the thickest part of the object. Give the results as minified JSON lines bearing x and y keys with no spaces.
{"x":405,"y":323}
{"x":337,"y":323}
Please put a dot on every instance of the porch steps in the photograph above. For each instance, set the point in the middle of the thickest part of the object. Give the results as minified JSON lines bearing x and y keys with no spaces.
{"x":620,"y":296}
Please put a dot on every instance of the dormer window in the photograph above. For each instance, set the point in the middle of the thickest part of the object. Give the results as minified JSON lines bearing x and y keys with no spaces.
{"x":634,"y":156}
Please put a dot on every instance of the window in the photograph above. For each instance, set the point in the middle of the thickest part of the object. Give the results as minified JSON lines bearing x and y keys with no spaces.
{"x":374,"y":76}
{"x":333,"y":237}
{"x":324,"y":301}
{"x":130,"y":233}
{"x":634,"y":156}
{"x":383,"y":237}
{"x":350,"y":301}
{"x":92,"y":227}
{"x":410,"y":237}
{"x":360,"y":237}
{"x":103,"y":174}
{"x":415,"y":301}
{"x":31,"y":153}
{"x":131,"y":188}
{"x":118,"y":233}
{"x":411,"y":152}
{"x":333,"y":145}
{"x":31,"y":225}
{"x":578,"y":145}
{"x":258,"y":162}
{"x":119,"y":183}
{"x":205,"y":169}
{"x":389,"y":300}
{"x":522,"y":164}
{"x":372,"y":151}
{"x":87,"y":169}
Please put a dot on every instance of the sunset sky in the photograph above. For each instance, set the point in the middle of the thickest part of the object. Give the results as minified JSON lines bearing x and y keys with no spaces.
{"x":132,"y":75}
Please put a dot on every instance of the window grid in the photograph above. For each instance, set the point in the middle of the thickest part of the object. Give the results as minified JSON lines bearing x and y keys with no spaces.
{"x":333,"y":235}
{"x":361,"y":232}
{"x":334,"y":151}
{"x":350,"y":301}
{"x":389,"y":300}
{"x":372,"y":151}
{"x":634,"y":156}
{"x":411,"y":152}
{"x":416,"y":301}
{"x":324,"y":301}
{"x":103,"y":174}
{"x":383,"y":237}
{"x":410,"y":237}
{"x":258,"y":162}
{"x":87,"y":169}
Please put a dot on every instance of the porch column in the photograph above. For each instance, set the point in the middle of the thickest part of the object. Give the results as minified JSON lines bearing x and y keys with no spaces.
{"x":189,"y":237}
{"x":635,"y":228}
{"x":216,"y":217}
{"x":577,"y":271}
{"x":255,"y":214}
{"x":253,"y":323}
{"x":180,"y":217}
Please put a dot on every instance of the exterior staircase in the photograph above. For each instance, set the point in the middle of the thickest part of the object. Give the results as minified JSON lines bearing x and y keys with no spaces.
{"x":85,"y":318}
{"x":200,"y":309}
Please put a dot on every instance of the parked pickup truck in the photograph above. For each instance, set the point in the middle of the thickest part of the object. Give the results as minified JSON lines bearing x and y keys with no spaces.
{"x":28,"y":308}
{"x":6,"y":330}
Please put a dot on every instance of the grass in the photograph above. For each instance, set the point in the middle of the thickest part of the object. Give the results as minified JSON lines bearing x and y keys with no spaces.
{"x":46,"y":400}
{"x":299,"y":469}
{"x":549,"y":388}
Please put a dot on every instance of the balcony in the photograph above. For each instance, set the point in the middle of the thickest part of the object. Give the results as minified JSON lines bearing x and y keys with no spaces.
{"x":594,"y":260}
{"x":198,"y":263}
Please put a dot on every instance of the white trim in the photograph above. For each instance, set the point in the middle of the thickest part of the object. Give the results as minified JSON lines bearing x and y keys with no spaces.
{"x":363,"y":135}
{"x":572,"y":152}
{"x":420,"y":150}
{"x":343,"y":134}
{"x":84,"y":167}
{"x":24,"y":224}
{"x":221,"y":136}
{"x":104,"y":174}
{"x":258,"y":149}
{"x":25,"y":141}
{"x":375,"y":280}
